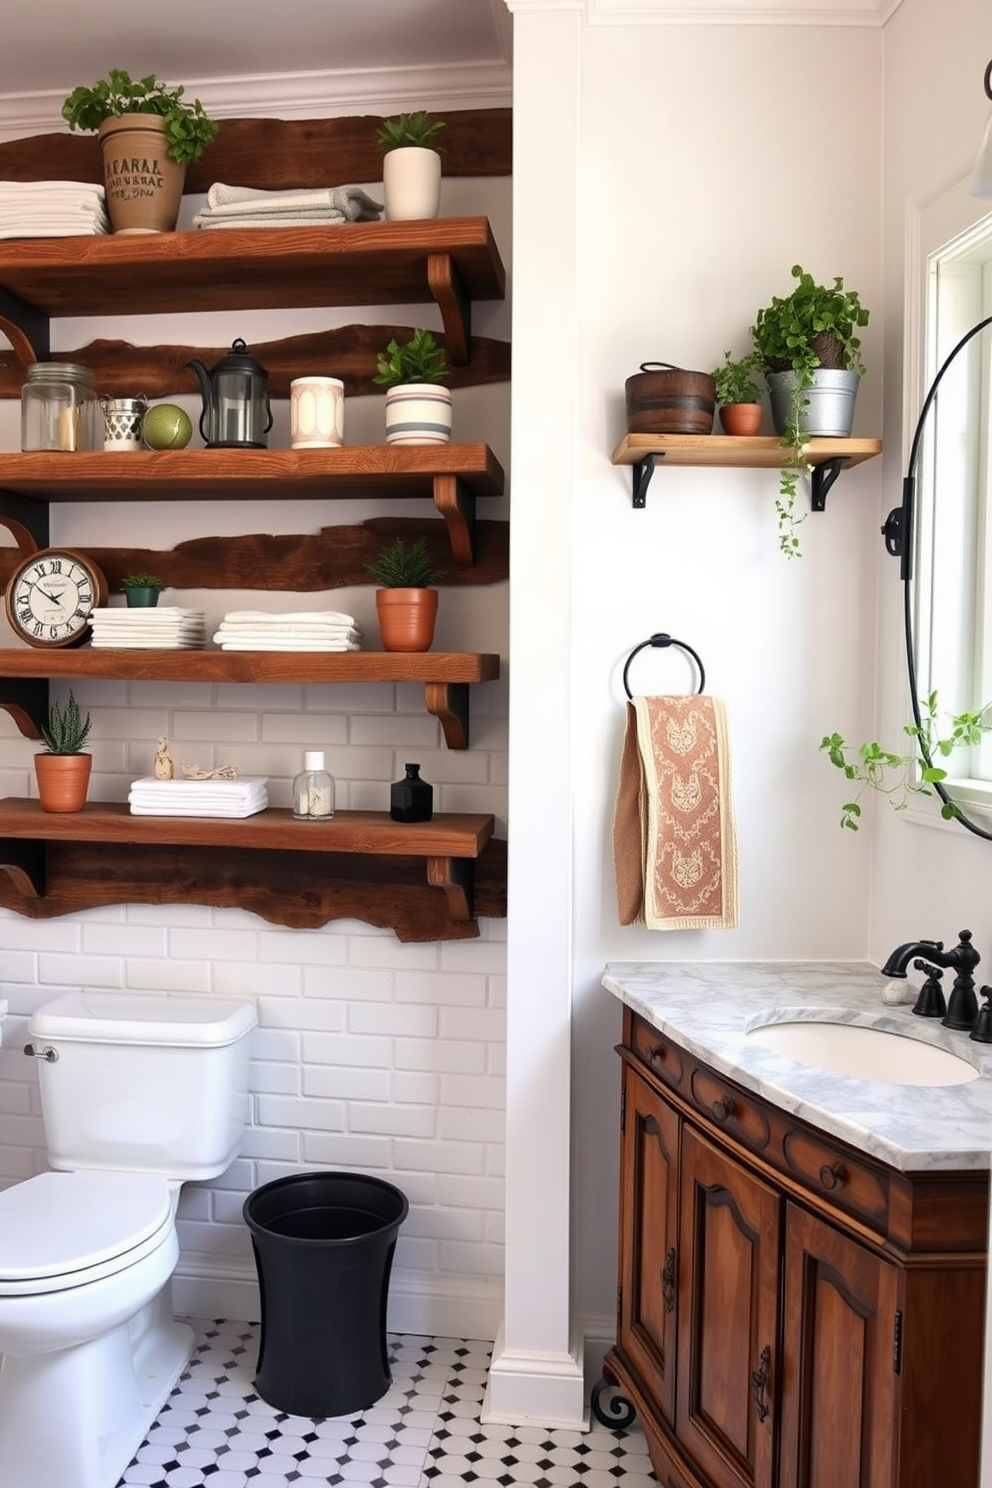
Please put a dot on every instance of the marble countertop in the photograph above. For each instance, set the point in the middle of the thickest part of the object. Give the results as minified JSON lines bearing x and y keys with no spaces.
{"x":709,"y":1007}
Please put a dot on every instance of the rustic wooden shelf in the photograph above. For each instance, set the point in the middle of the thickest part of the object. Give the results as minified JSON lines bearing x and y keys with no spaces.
{"x":451,"y":260}
{"x":426,"y":880}
{"x":446,"y":675}
{"x":452,"y":475}
{"x":763,"y":452}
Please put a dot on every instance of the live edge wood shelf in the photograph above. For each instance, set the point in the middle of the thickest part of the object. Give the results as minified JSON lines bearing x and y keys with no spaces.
{"x":263,"y":847}
{"x":827,"y":457}
{"x":446,"y":675}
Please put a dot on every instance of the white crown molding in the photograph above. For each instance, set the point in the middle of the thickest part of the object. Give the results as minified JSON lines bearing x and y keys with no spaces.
{"x":741,"y":12}
{"x":303,"y":95}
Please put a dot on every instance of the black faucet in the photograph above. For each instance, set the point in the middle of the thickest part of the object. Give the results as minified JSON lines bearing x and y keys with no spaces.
{"x":962,"y":1008}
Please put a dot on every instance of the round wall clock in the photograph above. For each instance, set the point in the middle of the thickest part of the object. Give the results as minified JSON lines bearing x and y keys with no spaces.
{"x":51,"y":596}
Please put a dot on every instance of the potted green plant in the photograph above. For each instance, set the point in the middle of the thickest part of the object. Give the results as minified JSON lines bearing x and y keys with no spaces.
{"x":418,"y":408}
{"x":738,"y":395}
{"x":900,"y":776}
{"x":406,"y":601}
{"x":62,"y":770}
{"x":808,"y":347}
{"x":411,"y":167}
{"x":141,"y":590}
{"x":149,"y":133}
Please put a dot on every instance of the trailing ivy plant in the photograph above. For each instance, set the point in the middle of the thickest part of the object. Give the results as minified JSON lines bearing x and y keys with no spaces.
{"x":900,"y":776}
{"x":734,"y":379}
{"x":814,"y":326}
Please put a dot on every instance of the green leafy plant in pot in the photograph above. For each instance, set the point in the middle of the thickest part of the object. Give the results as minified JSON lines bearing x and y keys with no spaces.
{"x":418,"y":407}
{"x":62,"y":769}
{"x":141,"y":590}
{"x":149,"y":132}
{"x":411,"y":167}
{"x":738,"y":394}
{"x":808,"y":347}
{"x":406,"y":601}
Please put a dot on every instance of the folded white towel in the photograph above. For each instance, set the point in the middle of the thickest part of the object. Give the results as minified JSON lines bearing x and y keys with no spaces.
{"x":84,"y":190}
{"x":350,"y":201}
{"x":299,"y":632}
{"x":278,"y":643}
{"x":134,"y":643}
{"x":240,"y":786}
{"x":310,"y":617}
{"x":216,"y":811}
{"x":51,"y":232}
{"x":126,"y":613}
{"x":315,"y":219}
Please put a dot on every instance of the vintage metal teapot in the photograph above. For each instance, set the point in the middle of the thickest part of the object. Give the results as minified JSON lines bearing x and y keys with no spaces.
{"x":236,"y":411}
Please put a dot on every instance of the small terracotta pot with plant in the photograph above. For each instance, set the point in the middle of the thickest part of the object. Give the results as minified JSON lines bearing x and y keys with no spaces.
{"x":738,"y":395}
{"x":406,"y":603}
{"x":62,"y":770}
{"x":149,"y":133}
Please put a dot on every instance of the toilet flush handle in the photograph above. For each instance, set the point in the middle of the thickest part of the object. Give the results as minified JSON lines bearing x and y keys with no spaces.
{"x":34,"y":1052}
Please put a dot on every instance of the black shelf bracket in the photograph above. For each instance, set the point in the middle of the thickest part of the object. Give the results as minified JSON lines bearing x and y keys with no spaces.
{"x":823,"y":478}
{"x":642,"y":471}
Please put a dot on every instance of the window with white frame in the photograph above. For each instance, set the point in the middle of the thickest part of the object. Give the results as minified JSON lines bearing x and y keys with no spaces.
{"x":953,"y":599}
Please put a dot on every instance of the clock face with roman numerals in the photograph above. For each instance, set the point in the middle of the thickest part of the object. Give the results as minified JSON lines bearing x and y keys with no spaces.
{"x":51,"y":596}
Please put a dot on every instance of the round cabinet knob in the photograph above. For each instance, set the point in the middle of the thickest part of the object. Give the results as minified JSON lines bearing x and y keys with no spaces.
{"x":833,"y":1175}
{"x":723,"y":1109}
{"x":656,"y":1054}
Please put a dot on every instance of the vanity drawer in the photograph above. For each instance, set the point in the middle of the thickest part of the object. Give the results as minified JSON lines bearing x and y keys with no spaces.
{"x":655,"y":1052}
{"x":833,"y":1173}
{"x":729,"y":1109}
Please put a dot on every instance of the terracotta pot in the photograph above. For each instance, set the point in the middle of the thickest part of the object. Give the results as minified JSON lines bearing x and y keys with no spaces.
{"x":63,"y":780}
{"x":741,"y":418}
{"x":406,"y":618}
{"x":144,"y":186}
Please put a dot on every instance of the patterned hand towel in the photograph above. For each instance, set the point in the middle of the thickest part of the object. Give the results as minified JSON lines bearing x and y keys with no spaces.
{"x":674,"y":841}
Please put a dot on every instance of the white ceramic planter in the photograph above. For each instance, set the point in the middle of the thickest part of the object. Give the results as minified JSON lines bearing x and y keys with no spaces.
{"x":411,"y":183}
{"x":418,"y":413}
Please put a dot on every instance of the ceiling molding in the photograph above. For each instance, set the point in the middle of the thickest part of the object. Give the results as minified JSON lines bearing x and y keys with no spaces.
{"x":740,"y":12}
{"x":304,"y":95}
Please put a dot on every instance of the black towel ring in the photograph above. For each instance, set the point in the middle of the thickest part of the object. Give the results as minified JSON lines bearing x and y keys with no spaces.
{"x":661,"y":639}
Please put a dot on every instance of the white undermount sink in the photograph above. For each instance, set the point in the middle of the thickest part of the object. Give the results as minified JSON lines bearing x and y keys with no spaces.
{"x":866,"y":1053}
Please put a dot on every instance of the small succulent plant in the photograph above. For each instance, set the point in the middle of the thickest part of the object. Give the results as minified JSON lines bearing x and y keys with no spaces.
{"x":66,"y":730}
{"x":404,"y":130}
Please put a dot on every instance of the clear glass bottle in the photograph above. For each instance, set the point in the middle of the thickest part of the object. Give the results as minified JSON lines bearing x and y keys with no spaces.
{"x":313,"y":789}
{"x":411,"y":799}
{"x":60,"y":409}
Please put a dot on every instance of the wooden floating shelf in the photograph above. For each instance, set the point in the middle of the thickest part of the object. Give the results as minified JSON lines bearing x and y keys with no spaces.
{"x":451,"y":260}
{"x":446,"y":675}
{"x":451,"y":475}
{"x":449,"y":843}
{"x":760,"y":452}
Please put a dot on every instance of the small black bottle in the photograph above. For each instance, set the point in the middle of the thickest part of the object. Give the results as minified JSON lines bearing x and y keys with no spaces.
{"x":411,"y":799}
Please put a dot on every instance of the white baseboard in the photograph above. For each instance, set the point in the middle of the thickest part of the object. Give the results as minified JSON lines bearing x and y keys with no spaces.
{"x":436,"y":1306}
{"x":528,"y":1388}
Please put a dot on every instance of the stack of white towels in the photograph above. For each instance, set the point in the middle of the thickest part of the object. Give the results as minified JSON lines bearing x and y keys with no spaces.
{"x":52,"y":209}
{"x":230,"y":798}
{"x":303,"y":630}
{"x":318,"y":206}
{"x":160,"y":628}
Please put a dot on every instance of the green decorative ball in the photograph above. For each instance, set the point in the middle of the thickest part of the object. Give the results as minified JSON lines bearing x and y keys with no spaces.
{"x":166,"y":426}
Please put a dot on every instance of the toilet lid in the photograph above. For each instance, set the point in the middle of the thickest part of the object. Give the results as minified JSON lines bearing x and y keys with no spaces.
{"x":62,"y":1224}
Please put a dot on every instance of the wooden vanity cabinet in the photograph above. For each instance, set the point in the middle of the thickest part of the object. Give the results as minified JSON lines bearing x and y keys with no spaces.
{"x":791,"y":1312}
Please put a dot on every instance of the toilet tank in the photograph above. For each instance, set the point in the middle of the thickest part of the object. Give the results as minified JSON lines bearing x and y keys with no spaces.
{"x":143,"y":1084}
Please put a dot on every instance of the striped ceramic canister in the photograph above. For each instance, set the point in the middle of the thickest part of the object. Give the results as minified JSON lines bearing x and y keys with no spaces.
{"x":418,"y":413}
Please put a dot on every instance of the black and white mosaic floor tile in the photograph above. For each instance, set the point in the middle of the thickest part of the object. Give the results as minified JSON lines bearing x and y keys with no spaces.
{"x":215,"y":1431}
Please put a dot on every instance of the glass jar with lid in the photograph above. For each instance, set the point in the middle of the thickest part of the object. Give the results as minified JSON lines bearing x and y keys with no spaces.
{"x":60,"y":409}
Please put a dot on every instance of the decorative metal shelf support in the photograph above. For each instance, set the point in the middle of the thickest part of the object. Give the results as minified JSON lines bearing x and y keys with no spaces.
{"x":641,"y":473}
{"x":822,"y":477}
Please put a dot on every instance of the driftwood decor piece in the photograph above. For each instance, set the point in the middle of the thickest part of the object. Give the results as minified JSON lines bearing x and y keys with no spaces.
{"x":348,"y":352}
{"x":301,"y":563}
{"x":280,"y":154}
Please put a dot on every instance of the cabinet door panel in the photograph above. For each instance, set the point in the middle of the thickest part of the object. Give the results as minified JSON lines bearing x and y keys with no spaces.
{"x":649,"y":1238}
{"x":728,"y":1317}
{"x":838,"y":1393}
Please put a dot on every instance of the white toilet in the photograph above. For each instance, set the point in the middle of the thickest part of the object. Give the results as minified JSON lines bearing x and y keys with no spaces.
{"x":139,"y":1093}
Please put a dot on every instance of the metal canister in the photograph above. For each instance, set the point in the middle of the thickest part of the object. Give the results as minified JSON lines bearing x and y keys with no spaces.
{"x":122,"y":422}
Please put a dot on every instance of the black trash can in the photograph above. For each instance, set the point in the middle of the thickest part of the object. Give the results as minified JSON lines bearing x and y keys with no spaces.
{"x":323,"y":1246}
